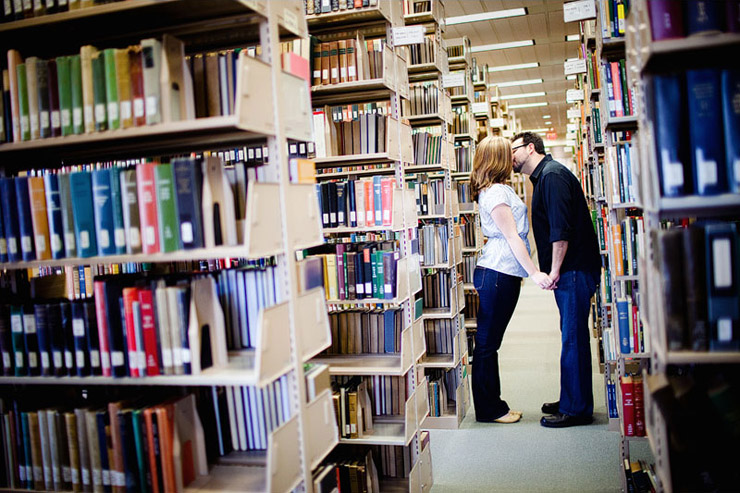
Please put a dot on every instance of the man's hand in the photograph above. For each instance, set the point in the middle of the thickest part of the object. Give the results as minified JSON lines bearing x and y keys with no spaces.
{"x":542,"y":280}
{"x":554,"y":277}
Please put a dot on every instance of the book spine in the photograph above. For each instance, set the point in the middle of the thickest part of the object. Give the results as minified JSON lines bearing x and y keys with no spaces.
{"x":147,"y":196}
{"x":25,"y":221}
{"x":54,"y":215}
{"x":705,"y":131}
{"x":103,"y":211}
{"x":39,"y":218}
{"x":103,"y":121}
{"x":81,"y":194}
{"x":111,"y":88}
{"x":119,"y":229}
{"x":167,"y":214}
{"x":149,"y":332}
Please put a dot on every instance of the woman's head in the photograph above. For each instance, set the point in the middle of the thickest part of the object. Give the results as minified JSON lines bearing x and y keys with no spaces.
{"x":492,"y":164}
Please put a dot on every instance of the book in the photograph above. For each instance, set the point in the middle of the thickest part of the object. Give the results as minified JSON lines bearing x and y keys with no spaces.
{"x":103,"y":120}
{"x":42,"y":98}
{"x":151,"y":68}
{"x":123,"y":87}
{"x":723,"y":285}
{"x":67,"y":211}
{"x":88,"y":106}
{"x":705,"y":131}
{"x":703,"y":16}
{"x":666,"y":19}
{"x":119,"y":227}
{"x":111,"y":88}
{"x":138,"y":93}
{"x":8,"y":204}
{"x":32,"y":83}
{"x":130,"y":211}
{"x":54,"y":215}
{"x":81,"y":194}
{"x":103,"y":211}
{"x":694,"y":288}
{"x":731,"y":123}
{"x":147,"y":197}
{"x":25,"y":220}
{"x":167,"y":214}
{"x":628,"y":405}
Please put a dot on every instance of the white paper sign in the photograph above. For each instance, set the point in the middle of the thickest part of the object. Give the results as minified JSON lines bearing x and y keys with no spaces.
{"x":575,"y":67}
{"x":574,"y":114}
{"x":480,"y":107}
{"x":507,"y":133}
{"x":579,"y":11}
{"x":573,"y":95}
{"x":408,"y":35}
{"x":454,"y":79}
{"x":497,"y":122}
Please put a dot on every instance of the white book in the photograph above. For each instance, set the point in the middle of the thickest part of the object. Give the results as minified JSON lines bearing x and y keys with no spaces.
{"x":174,"y":329}
{"x":240,"y":417}
{"x":240,"y":307}
{"x":56,"y":462}
{"x":151,"y":64}
{"x":232,"y":417}
{"x":252,"y":308}
{"x":223,"y":83}
{"x":45,"y":450}
{"x":360,"y":203}
{"x":286,"y":397}
{"x":319,"y":133}
{"x":163,"y":322}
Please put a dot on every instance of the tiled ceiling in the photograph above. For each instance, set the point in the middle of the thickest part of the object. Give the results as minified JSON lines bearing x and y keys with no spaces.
{"x":543,"y":23}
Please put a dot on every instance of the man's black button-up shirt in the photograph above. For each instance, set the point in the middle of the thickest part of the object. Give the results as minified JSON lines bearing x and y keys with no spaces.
{"x":560,"y":212}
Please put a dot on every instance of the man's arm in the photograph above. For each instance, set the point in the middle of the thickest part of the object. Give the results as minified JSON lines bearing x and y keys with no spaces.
{"x":559,"y":248}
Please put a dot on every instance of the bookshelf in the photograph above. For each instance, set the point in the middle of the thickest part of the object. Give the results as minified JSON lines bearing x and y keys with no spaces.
{"x":269,"y":228}
{"x":439,"y":236}
{"x":397,"y":370}
{"x":608,"y":163}
{"x":686,"y":344}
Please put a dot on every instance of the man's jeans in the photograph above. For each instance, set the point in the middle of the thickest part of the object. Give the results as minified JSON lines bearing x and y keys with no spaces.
{"x":573,"y":297}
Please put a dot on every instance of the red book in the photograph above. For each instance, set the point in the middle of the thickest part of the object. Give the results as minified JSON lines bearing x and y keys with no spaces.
{"x":149,"y":331}
{"x":639,"y":400}
{"x":386,"y":188}
{"x":617,"y":83}
{"x":369,"y":203}
{"x":131,"y":295}
{"x":102,"y":319}
{"x":636,"y":328}
{"x":147,"y":193}
{"x":56,"y":117}
{"x":628,"y":405}
{"x":137,"y":85}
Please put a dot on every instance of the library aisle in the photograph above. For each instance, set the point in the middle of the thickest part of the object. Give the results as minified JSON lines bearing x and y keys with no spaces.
{"x":525,"y":456}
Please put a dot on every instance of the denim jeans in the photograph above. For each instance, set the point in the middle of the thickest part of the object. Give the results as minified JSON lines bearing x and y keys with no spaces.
{"x":573,"y":297}
{"x":498,"y":293}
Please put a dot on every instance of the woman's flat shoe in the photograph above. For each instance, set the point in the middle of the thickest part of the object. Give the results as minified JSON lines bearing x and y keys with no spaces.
{"x":516,"y":412}
{"x":508,"y":418}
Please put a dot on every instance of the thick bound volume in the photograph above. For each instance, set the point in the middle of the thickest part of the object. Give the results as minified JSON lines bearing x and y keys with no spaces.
{"x":695,"y":288}
{"x":670,"y":122}
{"x":623,"y":315}
{"x":705,"y":131}
{"x":147,"y":195}
{"x":8,"y":203}
{"x":669,"y":260}
{"x":39,"y":219}
{"x":703,"y":16}
{"x":166,"y":208}
{"x":628,"y":405}
{"x":188,"y":191}
{"x":723,"y":285}
{"x":731,"y":119}
{"x":80,"y":184}
{"x":102,"y":198}
{"x":25,"y":221}
{"x":666,"y":19}
{"x":54,"y":215}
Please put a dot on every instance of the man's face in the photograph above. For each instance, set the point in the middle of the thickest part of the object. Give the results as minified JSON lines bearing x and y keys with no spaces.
{"x":519,"y":154}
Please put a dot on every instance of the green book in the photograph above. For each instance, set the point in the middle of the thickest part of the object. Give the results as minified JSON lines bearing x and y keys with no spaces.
{"x":379,"y":279}
{"x":119,"y":230}
{"x":23,"y":102}
{"x":68,"y":220}
{"x":111,"y":88}
{"x":99,"y":96}
{"x":65,"y":94}
{"x":169,"y":236}
{"x":75,"y":87}
{"x":139,"y":434}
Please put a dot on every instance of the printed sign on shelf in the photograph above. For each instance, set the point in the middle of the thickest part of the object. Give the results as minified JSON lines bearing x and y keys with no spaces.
{"x":497,"y":122}
{"x":574,"y":113}
{"x":454,"y":79}
{"x":408,"y":35}
{"x":579,"y":11}
{"x":575,"y":67}
{"x":573,"y":95}
{"x":480,"y":107}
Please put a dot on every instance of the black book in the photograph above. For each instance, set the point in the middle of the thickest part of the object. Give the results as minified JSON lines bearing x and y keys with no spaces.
{"x":42,"y":77}
{"x":44,"y":338}
{"x":359,"y":276}
{"x":93,"y":339}
{"x":65,"y":309}
{"x":221,"y":411}
{"x":670,"y":262}
{"x":128,"y":448}
{"x":695,"y":286}
{"x":56,"y":338}
{"x":32,"y":341}
{"x":6,"y":345}
{"x":351,"y":204}
{"x":100,"y":419}
{"x":79,"y":332}
{"x":341,"y":204}
{"x":116,"y":334}
{"x":333,"y":204}
{"x":325,"y":205}
{"x":158,"y":474}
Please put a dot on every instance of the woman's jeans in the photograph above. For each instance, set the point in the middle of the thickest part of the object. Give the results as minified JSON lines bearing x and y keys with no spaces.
{"x":573,"y":297}
{"x":498,"y":293}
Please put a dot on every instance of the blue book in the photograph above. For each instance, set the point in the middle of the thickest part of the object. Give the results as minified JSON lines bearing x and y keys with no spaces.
{"x":351,"y":204}
{"x":44,"y":339}
{"x":705,"y":131}
{"x":65,"y":309}
{"x":130,"y":465}
{"x":3,"y":242}
{"x":54,"y":215}
{"x":81,"y":277}
{"x":703,"y":16}
{"x":26,"y":440}
{"x":378,"y":200}
{"x":731,"y":120}
{"x":25,"y":222}
{"x":10,"y":220}
{"x":389,"y":325}
{"x":103,"y":211}
{"x":670,"y":123}
{"x":32,"y":341}
{"x":56,"y":331}
{"x":722,"y":247}
{"x":610,"y":92}
{"x":119,"y":231}
{"x":82,"y":359}
{"x":189,"y":190}
{"x":100,"y":418}
{"x":80,"y":184}
{"x":623,"y":322}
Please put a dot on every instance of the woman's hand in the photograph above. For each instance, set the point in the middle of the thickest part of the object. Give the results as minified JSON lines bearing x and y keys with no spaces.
{"x":542,"y":280}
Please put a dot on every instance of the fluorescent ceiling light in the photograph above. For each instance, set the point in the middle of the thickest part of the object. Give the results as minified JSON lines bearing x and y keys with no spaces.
{"x":571,"y":77}
{"x":524,"y":95}
{"x":502,"y":46}
{"x":548,"y":122}
{"x":517,"y":83}
{"x":572,"y":59}
{"x":573,"y":37}
{"x":546,"y":116}
{"x":485,"y":16}
{"x":505,"y":68}
{"x":527,"y":105}
{"x":538,"y":130}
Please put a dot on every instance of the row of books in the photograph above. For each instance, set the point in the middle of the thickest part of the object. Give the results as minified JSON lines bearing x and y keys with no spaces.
{"x":439,"y":336}
{"x":633,"y":405}
{"x":353,"y":407}
{"x":433,"y":243}
{"x":479,"y":72}
{"x":353,"y":168}
{"x":429,"y":194}
{"x":366,"y":331}
{"x":472,"y":303}
{"x":436,"y":287}
{"x":460,"y":120}
{"x":470,"y":260}
{"x":640,"y":476}
{"x":696,"y":130}
{"x":366,"y":202}
{"x":416,"y":6}
{"x":346,"y":60}
{"x":315,"y":7}
{"x":442,"y":388}
{"x":612,"y":407}
{"x":463,"y":189}
{"x":424,"y":98}
{"x":114,"y":210}
{"x":387,"y":395}
{"x":458,"y":90}
{"x":670,"y":20}
{"x":592,"y":64}
{"x":463,"y":158}
{"x":427,"y":144}
{"x":14,"y":11}
{"x":613,"y":17}
{"x":355,"y":132}
{"x":599,"y":215}
{"x":701,"y":287}
{"x":370,"y":463}
{"x":425,"y":52}
{"x":619,"y":95}
{"x":631,"y":331}
{"x":94,"y":91}
{"x":455,"y":51}
{"x":596,"y":123}
{"x":468,"y":227}
{"x":627,"y":240}
{"x":363,"y":271}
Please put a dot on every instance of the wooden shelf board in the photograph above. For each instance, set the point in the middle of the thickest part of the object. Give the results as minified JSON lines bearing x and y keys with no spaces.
{"x":437,"y":313}
{"x":616,"y":122}
{"x":666,"y":53}
{"x":424,"y":67}
{"x":437,"y":361}
{"x":703,"y":357}
{"x":344,"y":17}
{"x":389,"y":431}
{"x":424,"y":167}
{"x":463,"y":136}
{"x":698,"y":206}
{"x":378,"y":157}
{"x":368,"y":301}
{"x":361,"y":364}
{"x":362,"y":172}
{"x":425,"y":119}
{"x":347,"y":229}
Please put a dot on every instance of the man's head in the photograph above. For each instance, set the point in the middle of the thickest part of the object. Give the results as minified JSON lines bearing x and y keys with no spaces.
{"x":527,"y":150}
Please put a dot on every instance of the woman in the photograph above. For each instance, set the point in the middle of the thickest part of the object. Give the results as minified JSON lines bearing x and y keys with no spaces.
{"x":502,"y":265}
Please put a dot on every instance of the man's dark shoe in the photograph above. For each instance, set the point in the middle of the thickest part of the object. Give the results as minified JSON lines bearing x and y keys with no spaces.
{"x":560,"y":420}
{"x":551,"y":407}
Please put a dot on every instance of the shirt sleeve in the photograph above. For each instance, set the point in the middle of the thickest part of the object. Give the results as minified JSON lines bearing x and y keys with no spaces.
{"x":491,"y":198}
{"x":558,"y":203}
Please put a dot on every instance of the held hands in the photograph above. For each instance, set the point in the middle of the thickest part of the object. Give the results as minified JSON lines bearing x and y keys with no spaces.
{"x":554,"y":277}
{"x":543,"y":280}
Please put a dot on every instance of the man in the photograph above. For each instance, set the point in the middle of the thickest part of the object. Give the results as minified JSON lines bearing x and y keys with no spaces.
{"x":568,"y":249}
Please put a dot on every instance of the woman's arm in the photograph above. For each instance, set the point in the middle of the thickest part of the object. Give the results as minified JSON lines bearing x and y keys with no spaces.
{"x":504,"y":220}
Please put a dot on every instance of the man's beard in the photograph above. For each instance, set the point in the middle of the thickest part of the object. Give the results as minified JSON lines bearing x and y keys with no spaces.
{"x":517,"y":166}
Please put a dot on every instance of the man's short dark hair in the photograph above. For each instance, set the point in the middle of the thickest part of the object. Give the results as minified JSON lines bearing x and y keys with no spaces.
{"x":531,"y":138}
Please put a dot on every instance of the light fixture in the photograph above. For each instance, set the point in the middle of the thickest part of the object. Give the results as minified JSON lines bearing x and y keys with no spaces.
{"x":538,"y":130}
{"x":571,"y":77}
{"x":506,"y":68}
{"x":546,"y":117}
{"x":502,"y":46}
{"x":573,"y":37}
{"x":524,"y":95}
{"x":548,"y":122}
{"x":516,"y":83}
{"x":572,"y":59}
{"x":527,"y":105}
{"x":485,"y":16}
